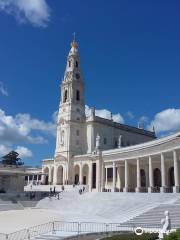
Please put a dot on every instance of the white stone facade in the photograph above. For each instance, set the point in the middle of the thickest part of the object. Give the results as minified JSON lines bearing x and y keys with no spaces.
{"x":103,"y":154}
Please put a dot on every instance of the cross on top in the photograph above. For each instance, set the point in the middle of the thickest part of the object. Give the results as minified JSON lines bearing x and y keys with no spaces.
{"x":74,"y":36}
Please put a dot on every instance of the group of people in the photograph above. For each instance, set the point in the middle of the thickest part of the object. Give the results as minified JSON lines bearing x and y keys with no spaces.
{"x":52,"y":192}
{"x":81,"y":190}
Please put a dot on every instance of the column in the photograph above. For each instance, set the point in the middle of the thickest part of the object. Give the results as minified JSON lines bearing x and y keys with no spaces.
{"x":64,"y":174}
{"x":126,"y":177}
{"x":163,"y":174}
{"x":106,"y":177}
{"x":80,"y":174}
{"x":114,"y":177}
{"x":55,"y":175}
{"x":138,"y":176}
{"x":49,"y":176}
{"x":102,"y":177}
{"x":90,"y":177}
{"x":176,"y":172}
{"x":43,"y":178}
{"x":28,"y":180}
{"x":151,"y":184}
{"x":98,"y":189}
{"x":119,"y":177}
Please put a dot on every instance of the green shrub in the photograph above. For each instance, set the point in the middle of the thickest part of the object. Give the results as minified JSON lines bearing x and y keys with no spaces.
{"x":173,"y":236}
{"x":133,"y":236}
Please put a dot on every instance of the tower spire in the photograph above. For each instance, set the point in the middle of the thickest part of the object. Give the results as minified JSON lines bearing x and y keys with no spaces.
{"x":74,"y":45}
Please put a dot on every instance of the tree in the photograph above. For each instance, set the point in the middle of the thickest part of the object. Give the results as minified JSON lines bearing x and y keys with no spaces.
{"x":12,"y":159}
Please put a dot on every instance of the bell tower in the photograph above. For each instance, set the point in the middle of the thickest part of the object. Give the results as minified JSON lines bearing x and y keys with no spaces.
{"x":71,"y":118}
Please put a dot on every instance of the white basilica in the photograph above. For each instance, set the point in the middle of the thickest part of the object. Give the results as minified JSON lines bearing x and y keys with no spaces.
{"x":103,"y":154}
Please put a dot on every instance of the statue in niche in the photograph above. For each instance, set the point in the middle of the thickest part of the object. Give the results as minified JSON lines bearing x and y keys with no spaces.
{"x":120,"y":141}
{"x":98,"y":142}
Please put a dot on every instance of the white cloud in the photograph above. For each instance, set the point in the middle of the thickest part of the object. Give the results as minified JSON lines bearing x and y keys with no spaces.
{"x":24,"y":129}
{"x":55,"y":116}
{"x":23,"y":151}
{"x":130,"y":115}
{"x":3,"y":91}
{"x":4,"y":150}
{"x":104,"y":113}
{"x":36,"y":12}
{"x":167,"y":120}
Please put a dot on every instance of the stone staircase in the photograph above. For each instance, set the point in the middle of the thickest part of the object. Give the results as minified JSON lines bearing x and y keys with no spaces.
{"x":14,"y":202}
{"x":8,"y":204}
{"x":154,"y":216}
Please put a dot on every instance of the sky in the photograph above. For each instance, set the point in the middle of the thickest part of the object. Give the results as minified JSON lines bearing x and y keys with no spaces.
{"x":130,"y":56}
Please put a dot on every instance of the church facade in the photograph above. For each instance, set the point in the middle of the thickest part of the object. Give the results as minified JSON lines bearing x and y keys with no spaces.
{"x":103,"y":154}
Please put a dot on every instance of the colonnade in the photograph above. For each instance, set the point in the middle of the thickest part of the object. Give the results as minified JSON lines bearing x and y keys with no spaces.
{"x":151,"y":187}
{"x":33,"y":178}
{"x":148,"y":173}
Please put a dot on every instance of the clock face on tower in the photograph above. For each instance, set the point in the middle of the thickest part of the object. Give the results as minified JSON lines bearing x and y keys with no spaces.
{"x":77,"y":76}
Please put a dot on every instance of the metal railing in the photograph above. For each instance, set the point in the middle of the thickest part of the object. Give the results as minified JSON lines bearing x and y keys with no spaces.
{"x":74,"y":227}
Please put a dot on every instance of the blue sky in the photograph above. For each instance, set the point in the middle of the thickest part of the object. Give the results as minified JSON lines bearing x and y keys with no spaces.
{"x":130,"y":56}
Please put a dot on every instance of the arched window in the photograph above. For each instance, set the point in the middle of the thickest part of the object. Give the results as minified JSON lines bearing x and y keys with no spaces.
{"x":78,"y":95}
{"x":65,"y":96}
{"x":105,"y":141}
{"x":69,"y":63}
{"x":77,"y":64}
{"x":77,"y":132}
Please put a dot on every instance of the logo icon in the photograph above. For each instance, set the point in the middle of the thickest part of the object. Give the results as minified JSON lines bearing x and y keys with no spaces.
{"x":138,"y":231}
